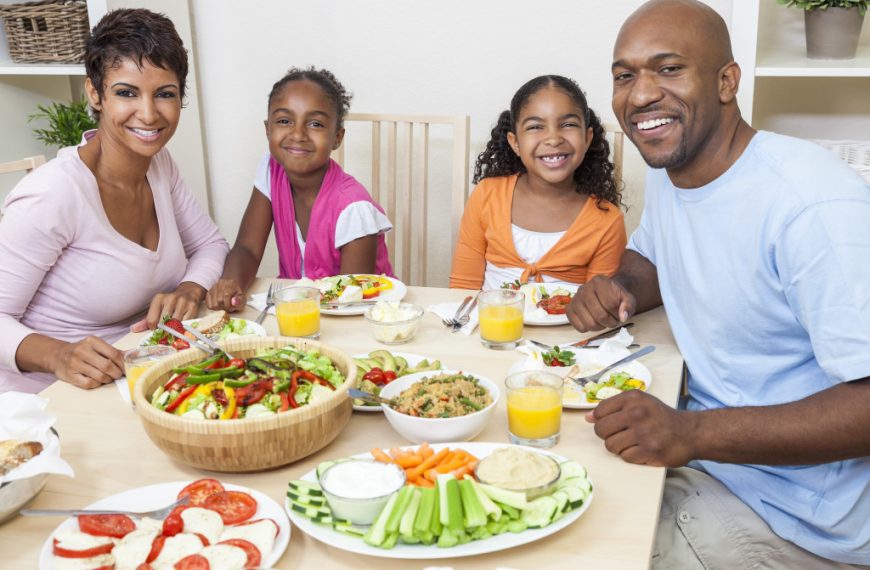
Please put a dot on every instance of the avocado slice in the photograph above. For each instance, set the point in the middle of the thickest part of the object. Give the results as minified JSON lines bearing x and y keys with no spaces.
{"x":401,"y":365}
{"x":386,"y":357}
{"x":363,"y":364}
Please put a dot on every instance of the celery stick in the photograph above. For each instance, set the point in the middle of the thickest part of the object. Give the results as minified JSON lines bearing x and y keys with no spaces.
{"x":493,"y":511}
{"x":475,"y":516}
{"x":464,"y":537}
{"x":390,"y":542}
{"x":455,"y":516}
{"x":426,"y":537}
{"x":510,"y":511}
{"x":424,"y":512}
{"x":517,"y":526}
{"x":443,"y":511}
{"x":505,"y":497}
{"x":397,"y":512}
{"x":447,"y":539}
{"x":377,"y":534}
{"x":406,"y":525}
{"x":435,"y":524}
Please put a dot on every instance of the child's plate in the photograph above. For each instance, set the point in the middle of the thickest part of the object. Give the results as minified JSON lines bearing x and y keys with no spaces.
{"x":534,"y":294}
{"x":240,"y":327}
{"x":396,"y":293}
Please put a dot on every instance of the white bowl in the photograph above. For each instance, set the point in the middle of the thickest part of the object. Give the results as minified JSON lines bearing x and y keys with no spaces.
{"x":396,"y":332}
{"x":437,"y":430}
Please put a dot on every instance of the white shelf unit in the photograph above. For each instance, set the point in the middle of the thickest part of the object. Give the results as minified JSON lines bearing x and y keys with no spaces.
{"x":768,"y":42}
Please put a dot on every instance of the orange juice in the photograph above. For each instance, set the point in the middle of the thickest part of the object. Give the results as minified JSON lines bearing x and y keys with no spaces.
{"x":298,"y":317}
{"x":138,"y":360}
{"x":133,"y":372}
{"x":501,"y":323}
{"x":534,"y":412}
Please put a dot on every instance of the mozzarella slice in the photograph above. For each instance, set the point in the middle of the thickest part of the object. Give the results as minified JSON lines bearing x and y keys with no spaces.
{"x":58,"y":563}
{"x":261,"y":534}
{"x":134,"y":549}
{"x":77,"y":540}
{"x":177,"y":547}
{"x":351,"y":294}
{"x":225,"y":557}
{"x":150,"y":524}
{"x":203,"y":521}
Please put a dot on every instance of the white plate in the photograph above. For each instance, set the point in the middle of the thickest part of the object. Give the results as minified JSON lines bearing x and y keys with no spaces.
{"x":397,"y":293}
{"x":251,"y":328}
{"x":549,"y":320}
{"x":162,"y":494}
{"x":413,"y":360}
{"x":585,"y":358}
{"x":496,"y":543}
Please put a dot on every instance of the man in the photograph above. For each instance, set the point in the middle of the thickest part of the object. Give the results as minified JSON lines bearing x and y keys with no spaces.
{"x":758,"y":245}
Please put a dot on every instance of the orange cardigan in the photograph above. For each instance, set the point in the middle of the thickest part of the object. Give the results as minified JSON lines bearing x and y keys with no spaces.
{"x":592,"y":245}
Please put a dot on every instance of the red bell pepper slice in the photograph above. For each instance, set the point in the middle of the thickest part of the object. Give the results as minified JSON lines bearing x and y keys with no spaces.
{"x":310,"y":377}
{"x":176,"y":382}
{"x":285,"y":402}
{"x":185,"y":394}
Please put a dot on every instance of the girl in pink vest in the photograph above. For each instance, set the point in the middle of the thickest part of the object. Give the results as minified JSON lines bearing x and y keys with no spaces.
{"x":326,"y":223}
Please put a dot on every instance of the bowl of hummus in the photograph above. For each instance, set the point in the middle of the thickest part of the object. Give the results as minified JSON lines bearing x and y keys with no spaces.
{"x":517,"y":469}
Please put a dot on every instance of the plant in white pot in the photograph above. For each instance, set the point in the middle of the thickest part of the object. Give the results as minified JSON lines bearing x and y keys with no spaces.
{"x":833,"y":27}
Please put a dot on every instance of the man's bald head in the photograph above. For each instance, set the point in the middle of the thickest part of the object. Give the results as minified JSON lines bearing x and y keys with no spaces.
{"x":704,"y":27}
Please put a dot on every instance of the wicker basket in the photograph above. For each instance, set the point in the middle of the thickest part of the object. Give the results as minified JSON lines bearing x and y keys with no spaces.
{"x":855,"y":153}
{"x":49,"y":31}
{"x":255,"y":444}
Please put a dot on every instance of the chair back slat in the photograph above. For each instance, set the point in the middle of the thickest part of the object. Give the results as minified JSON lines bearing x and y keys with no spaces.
{"x":25,"y":165}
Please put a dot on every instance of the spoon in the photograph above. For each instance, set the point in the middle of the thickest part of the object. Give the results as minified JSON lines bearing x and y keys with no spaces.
{"x":369,"y":397}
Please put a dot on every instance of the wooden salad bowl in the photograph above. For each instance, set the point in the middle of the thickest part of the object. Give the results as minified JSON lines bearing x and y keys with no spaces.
{"x":248,"y":444}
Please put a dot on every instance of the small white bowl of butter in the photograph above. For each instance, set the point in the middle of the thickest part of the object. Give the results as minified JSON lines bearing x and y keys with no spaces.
{"x":393,"y":322}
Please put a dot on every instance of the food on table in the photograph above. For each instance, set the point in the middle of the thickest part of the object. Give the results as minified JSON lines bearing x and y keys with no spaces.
{"x":422,"y":466}
{"x":357,"y":489}
{"x":394,"y":322}
{"x":274,"y":381}
{"x":539,"y":301}
{"x":616,"y":383}
{"x":453,"y":511}
{"x":15,"y":452}
{"x":190,"y":534}
{"x":517,"y":469}
{"x":349,"y":288}
{"x":558,"y":357}
{"x":534,"y":411}
{"x":298,"y":311}
{"x":443,"y":396}
{"x":500,"y":323}
{"x":217,"y":326}
{"x":382,"y":367}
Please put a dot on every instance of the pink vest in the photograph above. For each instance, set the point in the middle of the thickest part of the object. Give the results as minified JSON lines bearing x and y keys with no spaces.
{"x":322,"y":258}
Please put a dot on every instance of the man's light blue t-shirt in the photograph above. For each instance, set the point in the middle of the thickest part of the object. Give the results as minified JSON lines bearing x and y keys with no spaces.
{"x":765,"y":277}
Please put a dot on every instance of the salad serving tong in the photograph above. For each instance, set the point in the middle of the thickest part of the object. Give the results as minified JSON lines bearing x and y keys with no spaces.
{"x":203,"y":343}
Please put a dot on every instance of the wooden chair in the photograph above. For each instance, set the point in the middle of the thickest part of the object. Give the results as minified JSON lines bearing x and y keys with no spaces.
{"x":400,"y":182}
{"x":25,"y":164}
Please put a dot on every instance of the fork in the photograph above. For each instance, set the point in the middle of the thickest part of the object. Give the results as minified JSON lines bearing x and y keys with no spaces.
{"x":452,"y":323}
{"x":583,"y":380}
{"x":270,"y":300}
{"x":155,"y":514}
{"x":463,"y":320}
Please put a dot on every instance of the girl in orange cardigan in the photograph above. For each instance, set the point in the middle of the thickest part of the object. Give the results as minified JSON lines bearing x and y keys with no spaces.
{"x":547,"y":206}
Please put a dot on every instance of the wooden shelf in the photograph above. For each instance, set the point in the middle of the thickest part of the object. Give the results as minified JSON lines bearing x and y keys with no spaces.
{"x":793,"y":64}
{"x":9,"y":68}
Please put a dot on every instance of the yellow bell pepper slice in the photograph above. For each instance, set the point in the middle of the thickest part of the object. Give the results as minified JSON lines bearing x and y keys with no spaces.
{"x":230,"y":410}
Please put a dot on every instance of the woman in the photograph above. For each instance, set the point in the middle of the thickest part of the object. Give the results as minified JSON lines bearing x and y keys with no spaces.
{"x":107,"y":229}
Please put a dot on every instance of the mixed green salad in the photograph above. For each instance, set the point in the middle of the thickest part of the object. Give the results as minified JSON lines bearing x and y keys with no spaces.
{"x":274,"y":381}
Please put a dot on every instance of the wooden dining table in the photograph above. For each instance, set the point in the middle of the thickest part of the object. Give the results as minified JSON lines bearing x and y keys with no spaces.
{"x":103,"y":441}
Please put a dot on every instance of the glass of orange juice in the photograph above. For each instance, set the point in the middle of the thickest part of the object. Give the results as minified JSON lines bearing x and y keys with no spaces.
{"x":138,"y":360}
{"x":534,"y":405}
{"x":298,"y":311}
{"x":500,"y":314}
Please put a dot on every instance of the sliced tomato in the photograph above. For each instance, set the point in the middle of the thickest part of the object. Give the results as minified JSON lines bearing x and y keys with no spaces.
{"x":116,"y":526}
{"x":156,"y":547}
{"x":177,"y":382}
{"x":193,"y":562}
{"x":251,"y":551}
{"x":237,"y":362}
{"x":555,"y":305}
{"x":233,"y":506}
{"x":179,"y":344}
{"x":173,"y":523}
{"x":255,"y":521}
{"x":144,"y":566}
{"x":202,"y":539}
{"x":87,"y":553}
{"x":200,"y":489}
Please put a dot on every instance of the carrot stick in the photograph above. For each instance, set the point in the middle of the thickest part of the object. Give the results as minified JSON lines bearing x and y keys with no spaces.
{"x":428,"y":463}
{"x":409,"y":461}
{"x":423,"y":482}
{"x":462,"y":471}
{"x":379,"y":454}
{"x":425,"y":451}
{"x":448,"y":467}
{"x":397,"y":452}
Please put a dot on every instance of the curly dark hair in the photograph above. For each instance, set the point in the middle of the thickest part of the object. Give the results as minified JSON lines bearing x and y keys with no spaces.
{"x":326,"y":80}
{"x":594,"y":176}
{"x":138,"y":35}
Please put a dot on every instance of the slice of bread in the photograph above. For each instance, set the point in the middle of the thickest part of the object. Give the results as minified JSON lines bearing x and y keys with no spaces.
{"x":14,"y":452}
{"x":212,"y":323}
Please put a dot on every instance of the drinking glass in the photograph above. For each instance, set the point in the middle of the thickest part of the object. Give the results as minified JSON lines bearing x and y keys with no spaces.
{"x":298,"y":311}
{"x":138,"y":360}
{"x":500,"y":315}
{"x":534,"y":407}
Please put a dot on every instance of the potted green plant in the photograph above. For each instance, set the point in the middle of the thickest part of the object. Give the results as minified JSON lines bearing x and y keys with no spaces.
{"x":66,"y":122}
{"x":833,"y":27}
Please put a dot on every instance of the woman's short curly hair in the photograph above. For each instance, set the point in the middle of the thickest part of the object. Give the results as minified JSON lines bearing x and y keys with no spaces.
{"x":594,"y":176}
{"x":139,"y":35}
{"x":326,"y":80}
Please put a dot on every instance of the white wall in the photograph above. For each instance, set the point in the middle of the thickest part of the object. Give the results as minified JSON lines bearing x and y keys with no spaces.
{"x":419,"y":57}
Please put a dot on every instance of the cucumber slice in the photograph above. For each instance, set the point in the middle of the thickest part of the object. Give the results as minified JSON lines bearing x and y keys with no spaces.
{"x":324,"y":465}
{"x":305,"y":488}
{"x":539,"y":512}
{"x":310,"y":500}
{"x":562,"y":499}
{"x":573,"y":494}
{"x":311,"y":511}
{"x":572,"y":469}
{"x":576,"y":483}
{"x":346,"y":527}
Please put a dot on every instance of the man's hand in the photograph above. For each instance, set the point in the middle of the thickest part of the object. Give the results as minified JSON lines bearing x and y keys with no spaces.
{"x":600,"y":303}
{"x":183,"y":303}
{"x":641,"y":429}
{"x":226,"y":294}
{"x":88,"y":363}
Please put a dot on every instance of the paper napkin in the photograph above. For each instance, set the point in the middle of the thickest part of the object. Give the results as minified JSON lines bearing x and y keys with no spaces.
{"x":24,"y":417}
{"x":448,"y":310}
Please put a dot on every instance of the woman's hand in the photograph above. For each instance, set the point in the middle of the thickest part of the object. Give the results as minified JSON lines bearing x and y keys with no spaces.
{"x":88,"y":363}
{"x":226,"y":294}
{"x":183,"y":303}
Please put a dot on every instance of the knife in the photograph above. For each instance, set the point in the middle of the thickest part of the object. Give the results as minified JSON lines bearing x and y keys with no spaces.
{"x":599,"y":339}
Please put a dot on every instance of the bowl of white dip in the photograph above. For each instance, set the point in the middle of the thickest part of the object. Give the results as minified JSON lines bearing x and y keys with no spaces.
{"x":358,"y":489}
